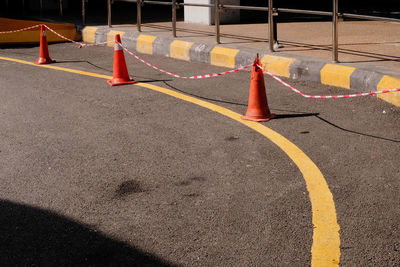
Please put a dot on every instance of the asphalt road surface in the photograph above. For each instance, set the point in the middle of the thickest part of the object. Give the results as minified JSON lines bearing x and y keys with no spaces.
{"x":93,"y":175}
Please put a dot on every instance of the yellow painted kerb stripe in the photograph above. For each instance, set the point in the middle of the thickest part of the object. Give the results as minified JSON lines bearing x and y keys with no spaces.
{"x":224,"y":57}
{"x":336,"y":75}
{"x":144,"y":44}
{"x":180,"y":50}
{"x":277,"y":65}
{"x":111,"y":37}
{"x":89,"y":34}
{"x":387,"y":83}
{"x":325,"y":249}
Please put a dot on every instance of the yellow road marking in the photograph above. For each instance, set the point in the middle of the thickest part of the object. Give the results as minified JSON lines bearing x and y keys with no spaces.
{"x":59,"y":68}
{"x":325,"y":249}
{"x":336,"y":75}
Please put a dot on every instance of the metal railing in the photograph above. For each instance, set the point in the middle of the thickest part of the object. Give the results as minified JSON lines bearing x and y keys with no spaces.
{"x":271,"y":23}
{"x":220,"y":7}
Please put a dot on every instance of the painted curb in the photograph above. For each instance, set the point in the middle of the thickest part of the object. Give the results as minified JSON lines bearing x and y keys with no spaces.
{"x":33,"y":35}
{"x":297,"y":68}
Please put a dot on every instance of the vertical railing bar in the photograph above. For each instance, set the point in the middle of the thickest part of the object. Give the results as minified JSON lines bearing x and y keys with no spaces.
{"x":275,"y":23}
{"x":109,"y":13}
{"x":335,"y":41}
{"x":174,"y":18}
{"x":271,"y":25}
{"x":139,"y":15}
{"x":41,"y":8}
{"x":83,"y":12}
{"x":61,"y":8}
{"x":217,"y":21}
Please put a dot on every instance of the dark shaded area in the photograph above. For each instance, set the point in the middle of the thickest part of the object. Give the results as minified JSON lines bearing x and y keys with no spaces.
{"x":384,"y":8}
{"x":31,"y":236}
{"x":125,"y":12}
{"x":288,"y":116}
{"x":129,"y":187}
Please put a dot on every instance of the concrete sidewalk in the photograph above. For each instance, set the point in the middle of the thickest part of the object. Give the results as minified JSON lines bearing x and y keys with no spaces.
{"x":369,"y":52}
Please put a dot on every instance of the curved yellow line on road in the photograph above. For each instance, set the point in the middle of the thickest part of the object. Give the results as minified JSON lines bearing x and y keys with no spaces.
{"x":325,"y":249}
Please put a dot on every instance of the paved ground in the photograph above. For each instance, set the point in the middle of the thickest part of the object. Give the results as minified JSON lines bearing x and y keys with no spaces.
{"x":96,"y":175}
{"x":371,"y":44}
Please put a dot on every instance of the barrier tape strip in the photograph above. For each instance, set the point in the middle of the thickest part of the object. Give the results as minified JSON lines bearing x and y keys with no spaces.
{"x":325,"y":96}
{"x":56,"y":33}
{"x":179,"y":76}
{"x":77,"y":43}
{"x":24,"y":29}
{"x":208,"y":75}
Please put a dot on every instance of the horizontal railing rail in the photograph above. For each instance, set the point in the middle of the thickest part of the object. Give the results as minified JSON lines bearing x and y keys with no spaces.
{"x":305,"y":12}
{"x":272,"y":29}
{"x":220,"y":7}
{"x":366,"y":17}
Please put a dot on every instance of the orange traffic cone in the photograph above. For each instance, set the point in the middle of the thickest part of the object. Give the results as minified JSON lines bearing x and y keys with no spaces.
{"x":120,"y":75}
{"x":257,"y":109}
{"x":44,"y":57}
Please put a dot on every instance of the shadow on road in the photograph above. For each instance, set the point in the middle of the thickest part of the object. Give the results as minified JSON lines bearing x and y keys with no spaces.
{"x":34,"y":237}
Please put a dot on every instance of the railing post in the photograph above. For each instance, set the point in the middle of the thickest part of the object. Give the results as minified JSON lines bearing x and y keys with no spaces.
{"x":174,"y":18}
{"x":41,"y":8}
{"x":217,"y":20}
{"x":109,"y":13}
{"x":139,"y":15}
{"x":335,"y":42}
{"x":61,"y":8}
{"x":83,"y":12}
{"x":271,"y":25}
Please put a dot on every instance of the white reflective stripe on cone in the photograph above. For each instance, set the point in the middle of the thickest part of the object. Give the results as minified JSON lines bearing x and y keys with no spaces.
{"x":117,"y":47}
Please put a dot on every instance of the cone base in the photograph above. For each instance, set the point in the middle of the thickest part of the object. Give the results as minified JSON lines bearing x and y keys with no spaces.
{"x":119,"y":81}
{"x":43,"y":60}
{"x":258,"y":118}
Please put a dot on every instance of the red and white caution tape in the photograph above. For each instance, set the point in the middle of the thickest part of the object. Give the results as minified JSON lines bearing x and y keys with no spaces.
{"x":207,"y":75}
{"x":56,"y":33}
{"x":21,"y":30}
{"x":63,"y":37}
{"x":77,"y":43}
{"x":179,"y":76}
{"x":326,"y":96}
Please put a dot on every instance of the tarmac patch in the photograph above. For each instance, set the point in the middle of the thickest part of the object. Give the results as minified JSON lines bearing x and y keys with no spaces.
{"x":129,"y":187}
{"x":191,"y":195}
{"x":189,"y":181}
{"x":231,"y":138}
